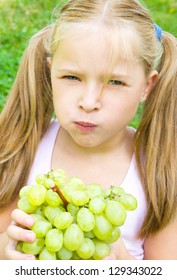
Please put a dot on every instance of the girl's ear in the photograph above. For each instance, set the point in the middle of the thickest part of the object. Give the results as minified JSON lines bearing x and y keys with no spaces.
{"x":151,"y":80}
{"x":49,"y":61}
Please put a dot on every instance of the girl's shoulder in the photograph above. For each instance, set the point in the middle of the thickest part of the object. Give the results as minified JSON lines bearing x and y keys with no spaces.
{"x":48,"y":140}
{"x":42,"y":160}
{"x":41,"y":164}
{"x":51,"y":131}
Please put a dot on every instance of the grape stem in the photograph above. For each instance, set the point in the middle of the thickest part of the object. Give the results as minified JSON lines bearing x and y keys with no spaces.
{"x":58,"y":191}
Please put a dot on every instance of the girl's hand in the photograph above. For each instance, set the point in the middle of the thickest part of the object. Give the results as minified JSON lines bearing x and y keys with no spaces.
{"x":17,"y":232}
{"x":119,"y":252}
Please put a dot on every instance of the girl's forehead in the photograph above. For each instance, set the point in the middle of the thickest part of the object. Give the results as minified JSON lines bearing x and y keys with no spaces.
{"x":120,"y":40}
{"x":105,"y":51}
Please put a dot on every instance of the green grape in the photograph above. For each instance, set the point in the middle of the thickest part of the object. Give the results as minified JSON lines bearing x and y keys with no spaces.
{"x":43,"y":179}
{"x":64,"y":254}
{"x":94,"y":190}
{"x":40,"y":179}
{"x":102,"y":249}
{"x":113,"y":192}
{"x":89,"y":234}
{"x":79,"y":197}
{"x":114,"y":236}
{"x":51,"y":212}
{"x":107,"y":193}
{"x":37,"y":217}
{"x":24,"y":205}
{"x":45,"y":254}
{"x":57,"y":173}
{"x":60,"y":173}
{"x":87,"y":248}
{"x":83,"y":227}
{"x":75,"y":183}
{"x":59,"y":176}
{"x":24,"y":191}
{"x":41,"y":227}
{"x":73,"y":237}
{"x":75,"y":256}
{"x":33,"y":248}
{"x":117,"y":190}
{"x":19,"y":247}
{"x":74,"y":218}
{"x":48,"y":183}
{"x":36,"y":195}
{"x":66,"y":191}
{"x":39,"y":211}
{"x":103,"y":228}
{"x":71,"y":208}
{"x":85,"y":219}
{"x":97,"y":205}
{"x":53,"y":199}
{"x":63,"y":220}
{"x":61,"y":208}
{"x":59,"y":181}
{"x":115,"y":213}
{"x":54,"y":240}
{"x":128,"y":201}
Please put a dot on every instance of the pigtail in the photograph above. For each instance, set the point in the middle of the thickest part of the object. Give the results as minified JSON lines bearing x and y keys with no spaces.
{"x":157,"y":141}
{"x":25,"y":118}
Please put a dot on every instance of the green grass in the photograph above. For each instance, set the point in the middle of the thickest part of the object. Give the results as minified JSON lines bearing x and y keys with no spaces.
{"x":164,"y":13}
{"x":20,"y":19}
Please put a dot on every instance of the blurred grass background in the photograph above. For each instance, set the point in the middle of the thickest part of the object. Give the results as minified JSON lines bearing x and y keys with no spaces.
{"x":20,"y":19}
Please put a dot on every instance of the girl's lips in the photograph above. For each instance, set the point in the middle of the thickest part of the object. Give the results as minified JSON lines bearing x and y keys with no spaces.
{"x":85,"y":126}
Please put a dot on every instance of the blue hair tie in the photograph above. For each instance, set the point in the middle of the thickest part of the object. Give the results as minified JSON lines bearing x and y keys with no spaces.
{"x":158,"y":31}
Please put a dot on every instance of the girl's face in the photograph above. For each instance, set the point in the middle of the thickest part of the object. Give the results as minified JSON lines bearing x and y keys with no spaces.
{"x":92,"y":114}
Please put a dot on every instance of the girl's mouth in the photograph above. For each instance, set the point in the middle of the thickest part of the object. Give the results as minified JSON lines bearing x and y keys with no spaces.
{"x":86,"y":126}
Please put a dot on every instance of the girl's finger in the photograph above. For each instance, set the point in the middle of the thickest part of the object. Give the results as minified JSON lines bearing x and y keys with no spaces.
{"x":22,"y":218}
{"x":17,"y":233}
{"x":110,"y":257}
{"x":12,"y":254}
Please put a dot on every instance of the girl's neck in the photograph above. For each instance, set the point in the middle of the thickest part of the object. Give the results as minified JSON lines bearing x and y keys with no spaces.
{"x":103,"y":166}
{"x":118,"y":146}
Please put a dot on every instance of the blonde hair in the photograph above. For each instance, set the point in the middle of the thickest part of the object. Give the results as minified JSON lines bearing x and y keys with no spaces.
{"x":24,"y":119}
{"x":29,"y":108}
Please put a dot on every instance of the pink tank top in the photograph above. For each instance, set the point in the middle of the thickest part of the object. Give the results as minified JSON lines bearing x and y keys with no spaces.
{"x":131,"y":184}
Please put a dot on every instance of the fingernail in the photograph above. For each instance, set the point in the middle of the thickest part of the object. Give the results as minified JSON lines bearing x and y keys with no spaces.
{"x":29,"y":222}
{"x":30,"y":257}
{"x":30,"y":236}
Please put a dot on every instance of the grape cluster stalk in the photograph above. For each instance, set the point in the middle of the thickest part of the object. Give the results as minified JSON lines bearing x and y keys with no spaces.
{"x":73,"y":220}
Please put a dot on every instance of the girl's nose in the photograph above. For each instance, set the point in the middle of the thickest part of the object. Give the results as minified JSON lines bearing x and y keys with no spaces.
{"x":90,"y":99}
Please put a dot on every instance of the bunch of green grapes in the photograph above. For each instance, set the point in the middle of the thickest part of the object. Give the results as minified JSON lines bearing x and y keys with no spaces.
{"x":72,"y":220}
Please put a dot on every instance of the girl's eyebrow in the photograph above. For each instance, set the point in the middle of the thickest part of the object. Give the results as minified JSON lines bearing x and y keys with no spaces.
{"x":114,"y":75}
{"x":120,"y":76}
{"x":70,"y":70}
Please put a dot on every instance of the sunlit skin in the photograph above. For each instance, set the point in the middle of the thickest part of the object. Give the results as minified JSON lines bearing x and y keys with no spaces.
{"x":92,"y":115}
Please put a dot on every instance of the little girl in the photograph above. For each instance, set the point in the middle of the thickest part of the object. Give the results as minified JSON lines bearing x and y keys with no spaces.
{"x":93,"y":67}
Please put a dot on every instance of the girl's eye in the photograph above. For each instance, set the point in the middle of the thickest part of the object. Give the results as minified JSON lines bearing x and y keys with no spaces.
{"x":71,"y":78}
{"x":116,"y":83}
